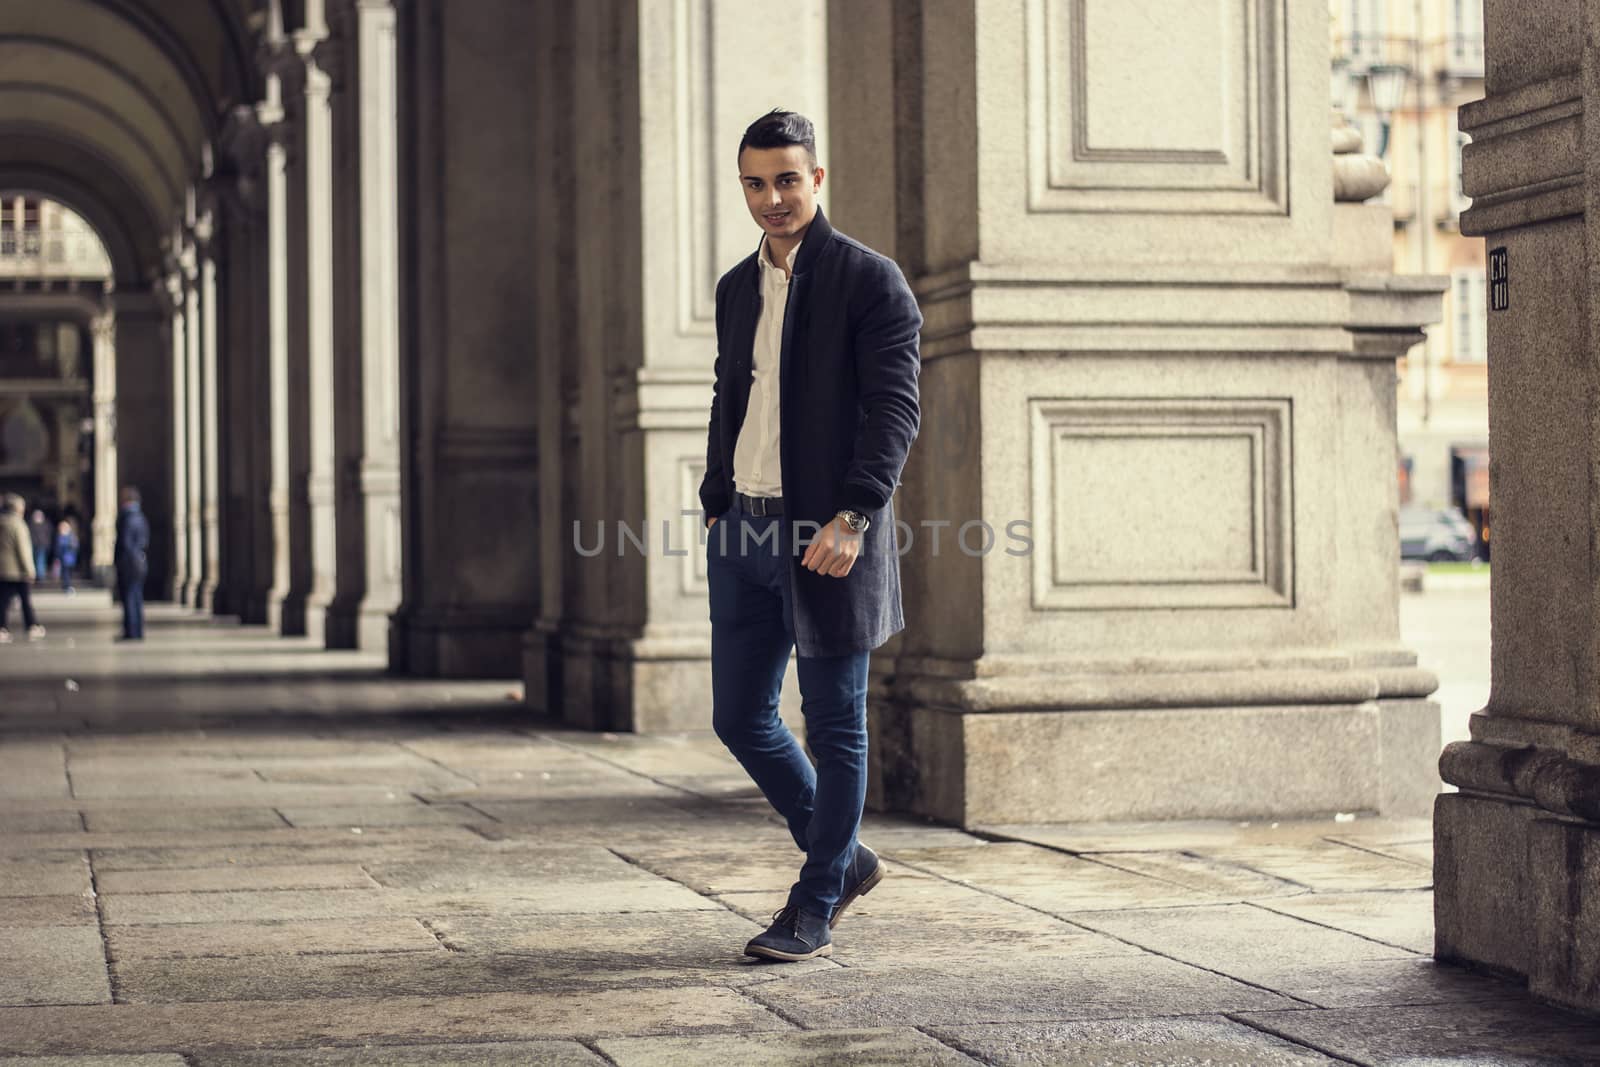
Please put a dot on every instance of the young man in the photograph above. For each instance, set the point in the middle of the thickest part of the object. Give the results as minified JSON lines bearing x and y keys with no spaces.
{"x":133,"y":541}
{"x":813,"y":412}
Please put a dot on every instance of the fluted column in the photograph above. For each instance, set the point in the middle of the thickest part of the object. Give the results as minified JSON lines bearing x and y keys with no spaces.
{"x":194,"y":544}
{"x":360,"y":59}
{"x":210,"y":505}
{"x":310,"y":323}
{"x":177,"y":340}
{"x":103,"y":334}
{"x":277,"y":332}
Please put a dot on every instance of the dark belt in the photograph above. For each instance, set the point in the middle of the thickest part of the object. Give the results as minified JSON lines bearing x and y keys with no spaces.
{"x":759,"y":506}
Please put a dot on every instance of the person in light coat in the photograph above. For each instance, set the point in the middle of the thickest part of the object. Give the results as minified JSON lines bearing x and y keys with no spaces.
{"x":17,"y":570}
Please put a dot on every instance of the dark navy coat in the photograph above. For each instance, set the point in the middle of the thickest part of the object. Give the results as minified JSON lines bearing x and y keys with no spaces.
{"x":848,"y":414}
{"x":133,"y":539}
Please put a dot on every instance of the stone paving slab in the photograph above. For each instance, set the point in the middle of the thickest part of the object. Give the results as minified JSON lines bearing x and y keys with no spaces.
{"x":52,"y":965}
{"x":1370,"y":983}
{"x":255,"y":794}
{"x":1186,"y":835}
{"x":1240,"y":940}
{"x":19,"y":912}
{"x":902,"y":1046}
{"x":373,"y":974}
{"x":38,"y":878}
{"x":487,"y":1054}
{"x":388,"y":1020}
{"x":1215,"y":878}
{"x":61,"y":821}
{"x":155,"y":1059}
{"x":1020,"y":990}
{"x":1447,"y":1035}
{"x":1328,"y":868}
{"x":382,"y":815}
{"x":720,"y":870}
{"x":244,"y":938}
{"x":1193,"y":1041}
{"x":504,"y":868}
{"x":1403,"y":919}
{"x":1050,"y":881}
{"x":188,"y":818}
{"x":232,"y":878}
{"x":578,"y":897}
{"x":17,"y":844}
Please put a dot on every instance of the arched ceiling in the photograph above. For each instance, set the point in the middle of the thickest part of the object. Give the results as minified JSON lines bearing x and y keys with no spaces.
{"x":108,"y":105}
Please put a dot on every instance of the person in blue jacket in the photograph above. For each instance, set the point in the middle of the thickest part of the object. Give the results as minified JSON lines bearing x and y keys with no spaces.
{"x":133,"y":541}
{"x":813,"y":412}
{"x":66,"y":552}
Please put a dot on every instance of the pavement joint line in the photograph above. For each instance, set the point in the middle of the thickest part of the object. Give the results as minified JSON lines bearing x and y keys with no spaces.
{"x":283,"y":818}
{"x":112,"y":982}
{"x":612,"y":763}
{"x":406,"y":747}
{"x":444,"y":942}
{"x":748,"y":993}
{"x":1238,"y":1017}
{"x":593,"y":1045}
{"x":953,"y":1044}
{"x":1117,"y":937}
{"x":1375,"y":852}
{"x":1338,"y":929}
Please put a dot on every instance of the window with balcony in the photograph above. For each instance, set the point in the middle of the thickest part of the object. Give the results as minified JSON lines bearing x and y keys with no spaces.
{"x":1365,"y":24}
{"x":1463,"y":53}
{"x":1470,"y":325}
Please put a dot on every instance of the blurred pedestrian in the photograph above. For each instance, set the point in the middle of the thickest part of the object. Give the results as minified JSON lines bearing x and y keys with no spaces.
{"x":66,"y":552}
{"x":133,"y":540}
{"x":39,"y":532}
{"x":17,"y":568}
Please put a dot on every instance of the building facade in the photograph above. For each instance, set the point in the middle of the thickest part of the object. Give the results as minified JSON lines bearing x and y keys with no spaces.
{"x":1432,"y":51}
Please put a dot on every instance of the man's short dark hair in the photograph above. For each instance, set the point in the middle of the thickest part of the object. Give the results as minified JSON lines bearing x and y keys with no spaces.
{"x":780,"y":129}
{"x":131,"y":492}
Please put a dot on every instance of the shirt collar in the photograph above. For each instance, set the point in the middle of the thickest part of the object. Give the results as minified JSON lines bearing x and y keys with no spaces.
{"x":766,"y":261}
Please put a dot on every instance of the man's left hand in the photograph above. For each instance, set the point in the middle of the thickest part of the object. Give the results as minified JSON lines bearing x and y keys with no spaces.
{"x":834,"y":550}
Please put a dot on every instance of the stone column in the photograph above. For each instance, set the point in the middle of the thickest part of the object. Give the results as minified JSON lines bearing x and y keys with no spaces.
{"x":210,"y":508}
{"x":177,"y":338}
{"x":623,"y":640}
{"x":193,"y":475}
{"x":277,"y":362}
{"x":360,"y":58}
{"x":103,"y":527}
{"x":469,"y":381}
{"x":146,"y":422}
{"x":1517,"y":849}
{"x":244,"y":377}
{"x":310,"y":320}
{"x":1142,"y":391}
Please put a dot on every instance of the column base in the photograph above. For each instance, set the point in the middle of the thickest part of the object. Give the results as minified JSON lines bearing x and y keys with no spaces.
{"x":457,"y":643}
{"x":303,"y":616}
{"x":1517,"y":857}
{"x":975,"y":768}
{"x":357,"y":626}
{"x":658,"y":683}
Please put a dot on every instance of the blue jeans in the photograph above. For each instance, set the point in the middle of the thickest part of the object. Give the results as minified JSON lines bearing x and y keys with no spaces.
{"x":132,"y":593}
{"x":752,"y":634}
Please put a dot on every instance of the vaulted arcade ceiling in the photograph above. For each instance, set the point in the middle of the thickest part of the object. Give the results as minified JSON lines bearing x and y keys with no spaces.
{"x":108,"y":106}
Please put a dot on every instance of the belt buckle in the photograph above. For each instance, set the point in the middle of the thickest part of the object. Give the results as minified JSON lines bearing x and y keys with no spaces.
{"x":760,"y":511}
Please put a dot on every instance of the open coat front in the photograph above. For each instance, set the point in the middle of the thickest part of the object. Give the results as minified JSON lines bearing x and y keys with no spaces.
{"x":849,"y":412}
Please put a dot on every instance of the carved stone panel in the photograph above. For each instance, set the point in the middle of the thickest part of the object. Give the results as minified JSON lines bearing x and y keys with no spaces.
{"x":1162,"y":503}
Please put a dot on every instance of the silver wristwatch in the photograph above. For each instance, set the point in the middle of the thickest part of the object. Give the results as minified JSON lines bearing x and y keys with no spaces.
{"x":857,"y":522}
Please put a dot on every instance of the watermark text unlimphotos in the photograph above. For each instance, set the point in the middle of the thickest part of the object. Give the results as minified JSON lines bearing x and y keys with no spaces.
{"x":973,"y":537}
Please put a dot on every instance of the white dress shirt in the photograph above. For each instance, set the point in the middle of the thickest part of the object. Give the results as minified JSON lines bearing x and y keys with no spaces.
{"x":757,"y":466}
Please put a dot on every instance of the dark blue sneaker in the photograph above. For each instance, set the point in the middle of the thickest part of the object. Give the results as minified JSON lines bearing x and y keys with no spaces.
{"x":866,"y":871}
{"x":793,"y":936}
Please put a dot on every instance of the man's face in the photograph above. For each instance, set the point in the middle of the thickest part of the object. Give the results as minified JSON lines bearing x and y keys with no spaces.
{"x":780,"y":187}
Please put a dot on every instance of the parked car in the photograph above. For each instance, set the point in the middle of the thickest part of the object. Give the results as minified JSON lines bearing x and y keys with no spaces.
{"x":1436,"y":535}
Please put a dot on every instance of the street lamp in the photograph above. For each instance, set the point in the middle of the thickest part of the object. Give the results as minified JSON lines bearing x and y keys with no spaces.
{"x":1387,"y":84}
